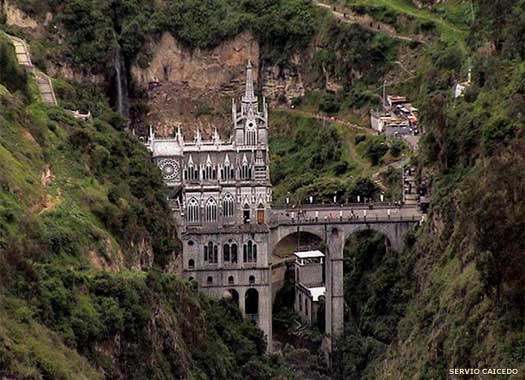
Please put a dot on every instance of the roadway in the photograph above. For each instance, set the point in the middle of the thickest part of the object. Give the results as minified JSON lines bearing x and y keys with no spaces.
{"x":344,"y":214}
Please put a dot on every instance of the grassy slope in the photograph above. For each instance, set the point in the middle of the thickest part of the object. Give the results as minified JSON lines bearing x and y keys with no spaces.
{"x":453,"y":319}
{"x":71,"y":196}
{"x":449,"y":31}
{"x":320,"y":158}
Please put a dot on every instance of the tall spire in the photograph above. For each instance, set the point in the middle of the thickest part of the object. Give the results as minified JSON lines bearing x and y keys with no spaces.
{"x":249,"y":95}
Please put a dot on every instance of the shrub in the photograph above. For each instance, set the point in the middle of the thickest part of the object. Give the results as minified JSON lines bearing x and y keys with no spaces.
{"x":376,"y":151}
{"x":329,"y":104}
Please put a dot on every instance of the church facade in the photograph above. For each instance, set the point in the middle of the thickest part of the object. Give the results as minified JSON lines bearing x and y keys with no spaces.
{"x":222,"y":194}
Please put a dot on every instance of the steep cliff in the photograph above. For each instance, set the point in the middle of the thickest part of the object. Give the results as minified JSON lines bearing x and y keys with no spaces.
{"x":84,"y":231}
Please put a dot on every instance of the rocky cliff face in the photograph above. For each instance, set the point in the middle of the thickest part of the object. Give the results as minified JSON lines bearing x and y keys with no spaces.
{"x":193,"y":88}
{"x":215,"y":69}
{"x":17,"y":17}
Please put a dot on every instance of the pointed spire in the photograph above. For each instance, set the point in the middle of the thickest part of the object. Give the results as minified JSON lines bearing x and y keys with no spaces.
{"x":179,"y":136}
{"x":151,"y":133}
{"x":198,"y":137}
{"x":216,"y":137}
{"x":249,"y":94}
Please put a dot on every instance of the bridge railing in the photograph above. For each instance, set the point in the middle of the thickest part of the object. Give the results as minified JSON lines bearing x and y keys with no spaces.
{"x":337,"y":206}
{"x":306,"y":220}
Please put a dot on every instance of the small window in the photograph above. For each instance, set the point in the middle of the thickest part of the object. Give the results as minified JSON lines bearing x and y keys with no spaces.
{"x":191,"y":264}
{"x":230,"y":280}
{"x":252,"y":280}
{"x":226,"y":252}
{"x":190,"y":242}
{"x":234,"y":253}
{"x":209,"y":280}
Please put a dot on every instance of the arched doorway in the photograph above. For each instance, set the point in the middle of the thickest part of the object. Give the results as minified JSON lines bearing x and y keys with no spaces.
{"x":284,"y":316}
{"x":251,"y":300}
{"x":282,"y":258}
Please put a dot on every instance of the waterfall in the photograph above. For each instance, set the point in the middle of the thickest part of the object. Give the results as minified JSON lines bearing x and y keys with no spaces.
{"x":121,"y":81}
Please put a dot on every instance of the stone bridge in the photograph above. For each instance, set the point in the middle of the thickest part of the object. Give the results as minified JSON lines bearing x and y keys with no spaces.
{"x":334,"y":225}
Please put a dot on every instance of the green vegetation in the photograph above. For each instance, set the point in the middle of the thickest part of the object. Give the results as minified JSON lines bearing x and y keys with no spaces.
{"x":317,"y":159}
{"x":12,"y":76}
{"x":449,"y":30}
{"x":94,"y":29}
{"x":468,"y":262}
{"x":378,"y":284}
{"x":80,"y":201}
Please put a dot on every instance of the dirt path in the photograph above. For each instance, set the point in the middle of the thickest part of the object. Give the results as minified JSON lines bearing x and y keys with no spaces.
{"x":346,"y":15}
{"x":331,"y":119}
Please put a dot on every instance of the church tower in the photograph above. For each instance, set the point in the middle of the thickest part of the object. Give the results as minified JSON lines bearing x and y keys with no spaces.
{"x":251,"y":122}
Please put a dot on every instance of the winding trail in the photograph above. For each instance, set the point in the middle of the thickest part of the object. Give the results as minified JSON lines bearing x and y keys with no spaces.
{"x":347,"y":16}
{"x":331,"y":119}
{"x":44,"y":83}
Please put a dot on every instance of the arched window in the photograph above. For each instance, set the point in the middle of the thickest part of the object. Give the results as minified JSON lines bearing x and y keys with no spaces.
{"x":251,"y":137}
{"x":191,"y":264}
{"x":209,"y":280}
{"x":252,"y":280}
{"x":192,"y":173}
{"x":245,"y":171}
{"x":211,"y":253}
{"x":227,"y":205}
{"x":192,"y":211}
{"x":300,"y":302}
{"x":234,"y":253}
{"x":227,"y":172}
{"x":251,"y":133}
{"x":250,"y":252}
{"x":210,"y":214}
{"x":230,"y":280}
{"x":226,"y":252}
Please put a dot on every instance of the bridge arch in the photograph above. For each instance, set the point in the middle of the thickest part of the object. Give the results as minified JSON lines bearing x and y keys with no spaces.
{"x":280,"y":233}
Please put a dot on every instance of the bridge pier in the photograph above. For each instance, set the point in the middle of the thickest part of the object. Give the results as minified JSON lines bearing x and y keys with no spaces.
{"x":334,"y":299}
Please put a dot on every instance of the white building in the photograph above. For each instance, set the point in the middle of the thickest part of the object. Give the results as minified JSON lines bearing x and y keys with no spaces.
{"x":309,"y":284}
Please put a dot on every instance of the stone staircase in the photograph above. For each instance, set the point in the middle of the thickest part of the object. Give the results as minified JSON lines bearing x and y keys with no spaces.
{"x":45,"y":85}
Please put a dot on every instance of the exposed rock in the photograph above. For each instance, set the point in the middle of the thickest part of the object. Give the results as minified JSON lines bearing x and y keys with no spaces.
{"x":193,"y":88}
{"x":17,"y":17}
{"x":46,"y":177}
{"x":143,"y":255}
{"x":202,"y":69}
{"x":64,"y":70}
{"x":284,"y":84}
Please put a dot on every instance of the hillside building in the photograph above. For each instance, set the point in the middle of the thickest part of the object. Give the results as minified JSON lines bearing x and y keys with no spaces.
{"x":221,"y":194}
